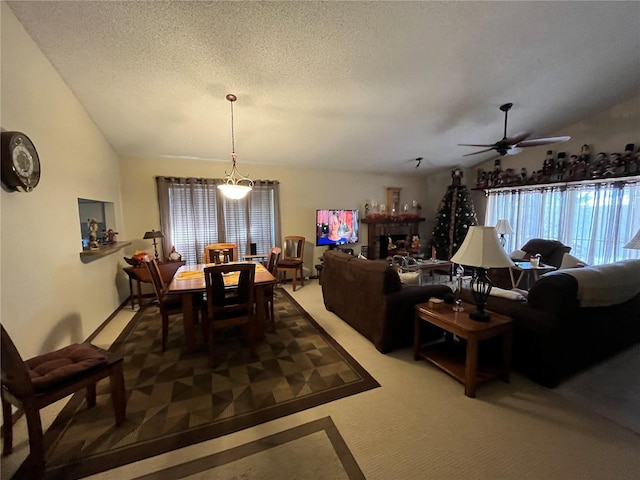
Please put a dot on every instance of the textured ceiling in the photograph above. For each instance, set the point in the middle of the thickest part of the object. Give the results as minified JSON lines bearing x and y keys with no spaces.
{"x":341,"y":85}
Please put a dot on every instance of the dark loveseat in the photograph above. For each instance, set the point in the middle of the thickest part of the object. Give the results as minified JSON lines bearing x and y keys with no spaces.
{"x":572,"y":319}
{"x":368,"y":295}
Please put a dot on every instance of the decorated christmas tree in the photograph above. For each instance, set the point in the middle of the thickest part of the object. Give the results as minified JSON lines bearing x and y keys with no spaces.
{"x":455,"y":215}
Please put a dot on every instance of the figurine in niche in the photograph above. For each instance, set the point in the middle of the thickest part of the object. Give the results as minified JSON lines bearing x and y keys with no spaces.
{"x":111,"y":236}
{"x":93,"y":234}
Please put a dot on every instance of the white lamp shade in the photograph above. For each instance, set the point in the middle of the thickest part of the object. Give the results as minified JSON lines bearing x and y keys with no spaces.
{"x":503,"y":227}
{"x":481,"y":248}
{"x":634,"y":242}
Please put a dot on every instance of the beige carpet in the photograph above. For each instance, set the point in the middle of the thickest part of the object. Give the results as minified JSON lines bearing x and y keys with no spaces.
{"x":611,"y":389}
{"x":310,"y":451}
{"x":419,"y":424}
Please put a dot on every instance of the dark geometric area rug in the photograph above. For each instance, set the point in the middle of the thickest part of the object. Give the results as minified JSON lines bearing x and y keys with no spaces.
{"x":175,"y":399}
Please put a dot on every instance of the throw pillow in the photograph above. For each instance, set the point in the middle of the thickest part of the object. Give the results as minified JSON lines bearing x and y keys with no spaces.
{"x":410,"y":278}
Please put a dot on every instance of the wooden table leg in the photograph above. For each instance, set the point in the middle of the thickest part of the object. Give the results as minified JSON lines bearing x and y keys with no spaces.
{"x":131,"y":293}
{"x":261,"y":311}
{"x":416,"y":336}
{"x":139,"y":294}
{"x":187,"y":320}
{"x":471,"y":367}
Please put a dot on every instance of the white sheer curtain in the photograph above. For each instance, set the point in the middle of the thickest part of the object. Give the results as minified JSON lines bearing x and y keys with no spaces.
{"x":596,"y":220}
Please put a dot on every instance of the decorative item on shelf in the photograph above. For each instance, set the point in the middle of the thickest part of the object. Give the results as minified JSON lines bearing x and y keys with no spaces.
{"x":236,"y":185}
{"x":111,"y":236}
{"x":503,"y":228}
{"x":458,"y":299}
{"x":481,"y":250}
{"x":154,"y":234}
{"x":634,"y":243}
{"x":93,"y":234}
{"x":174,"y":256}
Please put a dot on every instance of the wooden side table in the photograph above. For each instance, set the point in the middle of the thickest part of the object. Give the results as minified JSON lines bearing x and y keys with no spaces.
{"x":463,"y":364}
{"x":141,"y":275}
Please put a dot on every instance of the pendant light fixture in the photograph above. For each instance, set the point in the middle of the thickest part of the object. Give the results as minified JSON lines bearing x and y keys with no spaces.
{"x":236,"y":185}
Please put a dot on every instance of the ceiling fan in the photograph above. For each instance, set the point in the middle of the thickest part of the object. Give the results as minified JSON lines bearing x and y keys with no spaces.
{"x":417,"y":160}
{"x":513,"y":145}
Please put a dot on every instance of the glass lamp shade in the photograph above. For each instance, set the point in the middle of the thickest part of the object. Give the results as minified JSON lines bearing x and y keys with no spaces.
{"x":234,"y":192}
{"x":634,"y":243}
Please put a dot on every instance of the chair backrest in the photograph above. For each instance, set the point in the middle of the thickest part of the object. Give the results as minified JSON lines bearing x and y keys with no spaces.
{"x":225,"y":300}
{"x":156,"y":278}
{"x":274,"y":256}
{"x":14,"y":372}
{"x":293,"y":247}
{"x":228,"y":252}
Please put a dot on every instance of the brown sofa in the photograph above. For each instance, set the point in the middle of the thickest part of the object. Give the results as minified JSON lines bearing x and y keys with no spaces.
{"x":368,"y":295}
{"x":572,"y":319}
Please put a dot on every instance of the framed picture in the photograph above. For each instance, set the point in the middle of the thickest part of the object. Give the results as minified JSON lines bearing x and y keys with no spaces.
{"x":393,"y":200}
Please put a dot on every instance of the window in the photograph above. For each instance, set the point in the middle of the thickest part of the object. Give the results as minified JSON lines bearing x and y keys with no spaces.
{"x":596,"y":220}
{"x":194,"y":214}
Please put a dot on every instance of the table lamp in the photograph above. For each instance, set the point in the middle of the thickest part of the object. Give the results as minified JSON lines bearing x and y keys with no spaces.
{"x":154,"y":234}
{"x":481,"y":250}
{"x":634,"y":243}
{"x":503,"y":228}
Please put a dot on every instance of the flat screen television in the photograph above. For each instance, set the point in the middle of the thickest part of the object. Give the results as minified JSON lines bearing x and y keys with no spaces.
{"x":336,"y":227}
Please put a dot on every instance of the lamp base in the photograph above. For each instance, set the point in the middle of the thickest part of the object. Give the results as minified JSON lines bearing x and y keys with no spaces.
{"x":479,"y":316}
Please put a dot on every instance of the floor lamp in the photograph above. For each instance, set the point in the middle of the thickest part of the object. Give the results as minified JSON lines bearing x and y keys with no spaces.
{"x":481,"y":250}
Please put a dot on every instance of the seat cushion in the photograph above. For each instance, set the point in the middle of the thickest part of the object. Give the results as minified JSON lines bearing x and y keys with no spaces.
{"x":54,"y":367}
{"x":289,"y":262}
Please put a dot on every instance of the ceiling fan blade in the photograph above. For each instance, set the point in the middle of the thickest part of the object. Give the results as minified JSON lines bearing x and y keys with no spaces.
{"x":476,"y":145}
{"x":534,"y":142}
{"x":481,"y":151}
{"x":519,"y":137}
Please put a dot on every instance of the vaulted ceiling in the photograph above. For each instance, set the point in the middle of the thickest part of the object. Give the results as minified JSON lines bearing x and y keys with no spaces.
{"x":342,"y":85}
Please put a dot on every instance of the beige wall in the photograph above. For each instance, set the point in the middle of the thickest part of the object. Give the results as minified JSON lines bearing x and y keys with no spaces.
{"x":48,"y":296}
{"x":302,"y":191}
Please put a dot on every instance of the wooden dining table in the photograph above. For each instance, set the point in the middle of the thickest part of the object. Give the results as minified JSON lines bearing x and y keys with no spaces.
{"x":189,"y":280}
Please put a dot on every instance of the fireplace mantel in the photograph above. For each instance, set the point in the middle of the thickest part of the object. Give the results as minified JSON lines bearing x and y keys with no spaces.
{"x":385,"y":226}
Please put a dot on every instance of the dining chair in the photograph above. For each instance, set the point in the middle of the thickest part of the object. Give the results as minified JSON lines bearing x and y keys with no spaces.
{"x":229,"y":307}
{"x":168,"y":304}
{"x":42,"y":380}
{"x":292,"y":258}
{"x":220,"y":253}
{"x":274,"y":256}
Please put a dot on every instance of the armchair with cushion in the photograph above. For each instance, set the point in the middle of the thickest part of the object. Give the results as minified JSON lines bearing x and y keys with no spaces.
{"x":551,"y":253}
